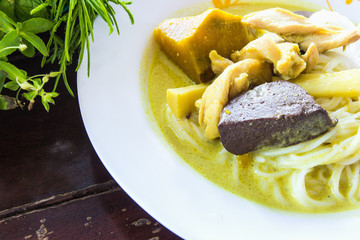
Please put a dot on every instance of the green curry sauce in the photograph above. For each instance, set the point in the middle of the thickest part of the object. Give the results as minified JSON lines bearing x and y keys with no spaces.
{"x":159,"y":74}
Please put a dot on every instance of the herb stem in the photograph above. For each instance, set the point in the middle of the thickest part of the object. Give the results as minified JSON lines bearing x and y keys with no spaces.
{"x":77,"y":17}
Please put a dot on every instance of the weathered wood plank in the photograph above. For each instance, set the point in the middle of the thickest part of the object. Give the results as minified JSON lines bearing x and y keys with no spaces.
{"x":111,"y":215}
{"x":44,"y":154}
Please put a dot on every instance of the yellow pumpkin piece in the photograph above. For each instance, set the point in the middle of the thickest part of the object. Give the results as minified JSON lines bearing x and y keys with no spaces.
{"x":182,"y":100}
{"x":188,"y":41}
{"x":339,"y":84}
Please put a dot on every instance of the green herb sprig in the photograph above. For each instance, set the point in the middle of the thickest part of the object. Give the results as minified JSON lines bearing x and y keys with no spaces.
{"x":77,"y":16}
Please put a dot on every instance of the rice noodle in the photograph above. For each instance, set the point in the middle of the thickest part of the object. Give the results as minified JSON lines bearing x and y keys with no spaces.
{"x":235,"y":164}
{"x":279,"y":195}
{"x":329,"y":163}
{"x":337,"y":151}
{"x":301,"y":194}
{"x":335,"y":181}
{"x":180,"y":127}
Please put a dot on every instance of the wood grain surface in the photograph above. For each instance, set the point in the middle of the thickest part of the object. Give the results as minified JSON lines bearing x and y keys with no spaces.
{"x":53,"y":185}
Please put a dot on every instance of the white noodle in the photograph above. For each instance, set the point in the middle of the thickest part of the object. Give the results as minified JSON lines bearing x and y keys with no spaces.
{"x":300,"y":191}
{"x":327,"y":162}
{"x":176,"y":126}
{"x":354,"y":184}
{"x":279,"y":195}
{"x":222,"y":155}
{"x":197,"y":130}
{"x":235,"y":164}
{"x":335,"y":181}
{"x":269,"y":174}
{"x":335,"y":151}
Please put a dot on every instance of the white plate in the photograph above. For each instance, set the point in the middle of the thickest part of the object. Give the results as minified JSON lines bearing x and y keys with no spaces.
{"x":166,"y":187}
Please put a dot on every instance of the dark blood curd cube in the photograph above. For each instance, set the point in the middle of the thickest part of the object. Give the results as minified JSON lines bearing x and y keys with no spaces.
{"x":275,"y":114}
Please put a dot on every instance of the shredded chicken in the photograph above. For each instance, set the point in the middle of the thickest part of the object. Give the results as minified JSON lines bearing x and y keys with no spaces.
{"x":311,"y":57}
{"x":285,"y":56}
{"x":290,"y":64}
{"x":325,"y":40}
{"x":239,"y":85}
{"x":299,"y":29}
{"x":233,"y":80}
{"x":278,"y":20}
{"x":218,"y":63}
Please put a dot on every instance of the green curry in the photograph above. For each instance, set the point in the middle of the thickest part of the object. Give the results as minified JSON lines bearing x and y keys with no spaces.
{"x":235,"y":174}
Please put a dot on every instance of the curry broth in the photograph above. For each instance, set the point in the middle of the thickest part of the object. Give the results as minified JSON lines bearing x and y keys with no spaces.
{"x":160,"y":74}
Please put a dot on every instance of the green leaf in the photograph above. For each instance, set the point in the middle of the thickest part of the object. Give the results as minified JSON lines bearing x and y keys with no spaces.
{"x":3,"y":103}
{"x":8,"y":8}
{"x":69,"y":28}
{"x":7,"y":103}
{"x":24,"y":73}
{"x":54,"y":74}
{"x":19,"y":26}
{"x":2,"y":79}
{"x":8,"y":43}
{"x":24,"y":7}
{"x":131,"y":17}
{"x":13,"y":72}
{"x":12,"y":85}
{"x":40,"y":7}
{"x":37,"y":25}
{"x":36,"y":82}
{"x":35,"y":41}
{"x":46,"y":105}
{"x":6,"y":23}
{"x":30,"y":50}
{"x":47,"y":98}
{"x":30,"y":95}
{"x":100,"y":8}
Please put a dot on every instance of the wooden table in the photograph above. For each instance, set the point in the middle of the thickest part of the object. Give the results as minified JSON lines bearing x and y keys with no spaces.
{"x":53,"y":185}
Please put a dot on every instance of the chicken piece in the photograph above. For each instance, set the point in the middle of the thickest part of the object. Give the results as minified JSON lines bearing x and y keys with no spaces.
{"x":285,"y":56}
{"x":263,"y":48}
{"x":239,"y":85}
{"x":299,"y":29}
{"x":278,"y":20}
{"x":233,"y":80}
{"x":275,"y":37}
{"x":311,"y":57}
{"x":258,"y":72}
{"x":218,"y":63}
{"x":330,"y":40}
{"x":290,"y":64}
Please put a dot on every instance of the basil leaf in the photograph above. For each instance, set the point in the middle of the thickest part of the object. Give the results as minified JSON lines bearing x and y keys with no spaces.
{"x":13,"y":72}
{"x":6,"y":23}
{"x":47,"y":97}
{"x":37,"y":25}
{"x":41,"y":7}
{"x":8,"y":8}
{"x":12,"y":85}
{"x":3,"y":103}
{"x":29,"y":95}
{"x":30,"y":50}
{"x":36,"y":82}
{"x":35,"y":41}
{"x":2,"y":79}
{"x":23,"y":8}
{"x":11,"y":39}
{"x":7,"y":103}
